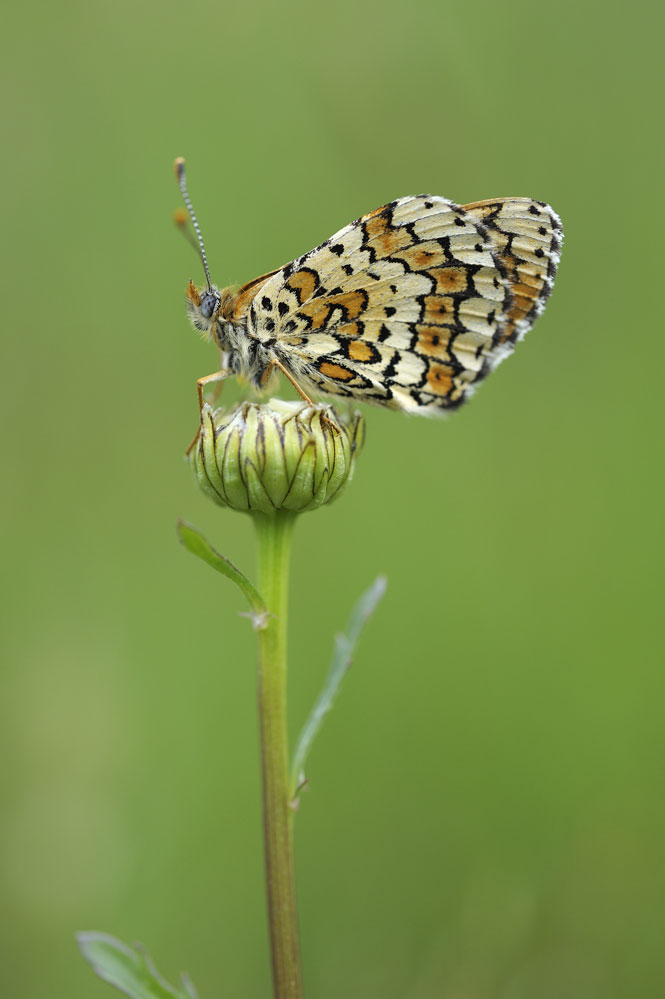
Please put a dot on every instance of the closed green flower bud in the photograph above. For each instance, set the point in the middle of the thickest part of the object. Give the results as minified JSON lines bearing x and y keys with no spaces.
{"x":277,"y":456}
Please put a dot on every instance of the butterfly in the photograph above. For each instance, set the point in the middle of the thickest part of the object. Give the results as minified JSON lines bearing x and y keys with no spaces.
{"x":409,"y":306}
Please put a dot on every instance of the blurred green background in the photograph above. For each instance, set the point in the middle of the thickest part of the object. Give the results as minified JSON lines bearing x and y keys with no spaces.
{"x":485,"y":815}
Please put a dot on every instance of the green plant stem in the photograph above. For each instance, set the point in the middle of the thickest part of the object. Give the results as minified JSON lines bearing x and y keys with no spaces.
{"x":274,"y":542}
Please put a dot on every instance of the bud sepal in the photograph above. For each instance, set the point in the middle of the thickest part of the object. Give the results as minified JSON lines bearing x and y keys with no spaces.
{"x":275,"y":456}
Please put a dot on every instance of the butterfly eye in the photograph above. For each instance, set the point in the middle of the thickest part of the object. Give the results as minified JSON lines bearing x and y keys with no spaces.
{"x":209,"y":303}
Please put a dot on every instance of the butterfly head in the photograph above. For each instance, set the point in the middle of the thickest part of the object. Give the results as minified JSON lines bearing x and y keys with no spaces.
{"x":203,"y":308}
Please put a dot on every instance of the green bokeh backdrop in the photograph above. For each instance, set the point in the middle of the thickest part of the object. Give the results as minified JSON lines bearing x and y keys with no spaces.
{"x":485,"y":814}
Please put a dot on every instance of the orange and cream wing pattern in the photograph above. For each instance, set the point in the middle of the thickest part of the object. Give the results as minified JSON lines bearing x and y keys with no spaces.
{"x":236,"y":301}
{"x":412,"y":304}
{"x":527,"y":236}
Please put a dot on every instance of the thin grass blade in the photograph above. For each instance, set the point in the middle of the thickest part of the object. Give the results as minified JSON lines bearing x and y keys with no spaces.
{"x":341,"y":661}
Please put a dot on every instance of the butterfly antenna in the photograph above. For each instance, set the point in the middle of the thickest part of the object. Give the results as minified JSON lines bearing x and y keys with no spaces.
{"x":179,"y":167}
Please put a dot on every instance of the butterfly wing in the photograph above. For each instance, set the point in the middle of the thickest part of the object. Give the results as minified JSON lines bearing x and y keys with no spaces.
{"x":238,"y":300}
{"x":527,"y":236}
{"x":407,"y":306}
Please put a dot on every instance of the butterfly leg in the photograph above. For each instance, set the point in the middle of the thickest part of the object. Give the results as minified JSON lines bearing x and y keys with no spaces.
{"x":216,"y":378}
{"x":276,"y":364}
{"x":287,"y":374}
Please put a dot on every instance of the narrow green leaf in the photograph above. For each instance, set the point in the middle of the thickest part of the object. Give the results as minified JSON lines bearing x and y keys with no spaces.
{"x":341,"y":661}
{"x":188,"y":986}
{"x":194,"y":542}
{"x":128,"y":969}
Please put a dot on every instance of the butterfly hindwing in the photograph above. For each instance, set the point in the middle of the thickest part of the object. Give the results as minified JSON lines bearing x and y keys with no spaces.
{"x":527,"y":235}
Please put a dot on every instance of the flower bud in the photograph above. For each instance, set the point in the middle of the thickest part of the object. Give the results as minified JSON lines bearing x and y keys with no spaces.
{"x":277,"y":456}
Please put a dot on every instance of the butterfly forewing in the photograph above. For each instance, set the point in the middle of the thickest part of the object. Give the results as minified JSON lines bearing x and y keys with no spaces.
{"x":241,"y":298}
{"x":411,"y":304}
